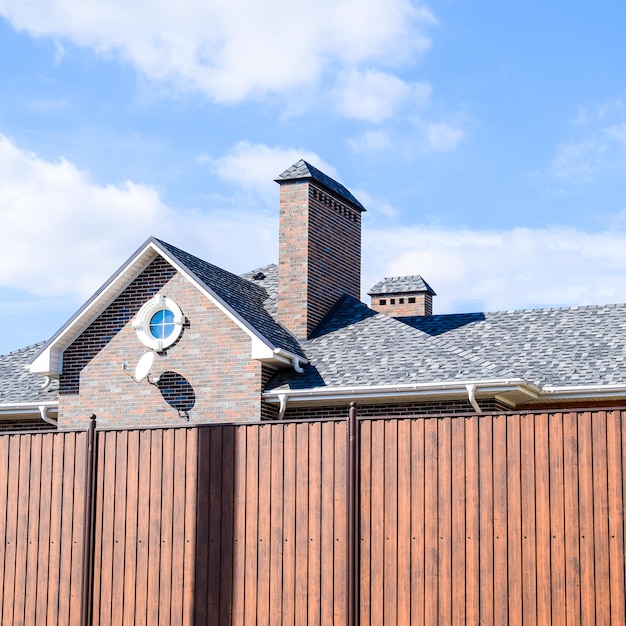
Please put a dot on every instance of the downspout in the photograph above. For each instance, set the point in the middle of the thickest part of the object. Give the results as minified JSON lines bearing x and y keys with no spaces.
{"x":296,"y":361}
{"x":43,"y":411}
{"x":283,"y":405}
{"x":471,"y":395}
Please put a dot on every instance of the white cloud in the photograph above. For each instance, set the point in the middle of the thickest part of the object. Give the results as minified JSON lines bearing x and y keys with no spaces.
{"x":583,"y":161}
{"x":495,"y":270}
{"x":253,"y":167}
{"x":236,"y":49}
{"x":375,"y":96}
{"x":64,"y":234}
{"x":443,"y":136}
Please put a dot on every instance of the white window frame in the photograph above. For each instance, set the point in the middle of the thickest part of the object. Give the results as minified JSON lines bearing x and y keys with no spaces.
{"x":141,"y":323}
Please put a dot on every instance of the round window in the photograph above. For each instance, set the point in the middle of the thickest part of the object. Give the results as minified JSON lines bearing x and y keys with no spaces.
{"x":159,"y":323}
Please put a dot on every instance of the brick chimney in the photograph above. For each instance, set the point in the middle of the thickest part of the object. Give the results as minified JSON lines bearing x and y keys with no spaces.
{"x":319,"y":247}
{"x":402,"y":296}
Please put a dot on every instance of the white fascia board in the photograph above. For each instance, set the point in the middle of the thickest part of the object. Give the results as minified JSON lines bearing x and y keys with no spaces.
{"x":417,"y":390}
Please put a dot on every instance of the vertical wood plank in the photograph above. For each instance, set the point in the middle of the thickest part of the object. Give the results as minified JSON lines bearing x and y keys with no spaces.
{"x":276,"y":521}
{"x":78,"y":533}
{"x":4,"y":496}
{"x":120,"y":532}
{"x":431,"y":518}
{"x":377,"y":529}
{"x":34,"y":513}
{"x":13,"y":480}
{"x":404,"y":521}
{"x":528,"y":520}
{"x":418,"y":574}
{"x":264,"y":538}
{"x":167,"y":515}
{"x":485,"y":469}
{"x":154,"y":533}
{"x":390,"y":521}
{"x":444,"y":518}
{"x":500,"y":522}
{"x":365,"y":520}
{"x":214,"y":488}
{"x":341,"y":524}
{"x":143,"y":528}
{"x":97,"y":566}
{"x":227,"y":512}
{"x":239,"y":525}
{"x":585,"y":503}
{"x":458,"y":484}
{"x":203,"y":527}
{"x":130,"y":525}
{"x":44,"y":528}
{"x":302,"y":523}
{"x":315,"y":521}
{"x":67,"y":520}
{"x":252,"y":517}
{"x":54,"y":561}
{"x":472,"y":522}
{"x":190,"y":515}
{"x":289,"y":531}
{"x":328,"y":522}
{"x":108,"y":522}
{"x":542,"y":502}
{"x":572,"y":527}
{"x":179,"y":505}
{"x":23,"y":516}
{"x":557,"y":518}
{"x":514,"y":526}
{"x":600,"y":517}
{"x":616,"y":517}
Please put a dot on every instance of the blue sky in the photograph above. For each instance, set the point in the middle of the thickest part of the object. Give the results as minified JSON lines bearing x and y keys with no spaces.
{"x":487,"y":140}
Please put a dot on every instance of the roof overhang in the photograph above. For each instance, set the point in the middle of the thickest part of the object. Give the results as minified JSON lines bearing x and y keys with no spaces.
{"x":11,"y":409}
{"x":49,"y":362}
{"x":510,"y":391}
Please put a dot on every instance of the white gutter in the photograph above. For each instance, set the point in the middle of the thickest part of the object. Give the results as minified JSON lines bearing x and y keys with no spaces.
{"x":468,"y":387}
{"x":583,"y":391}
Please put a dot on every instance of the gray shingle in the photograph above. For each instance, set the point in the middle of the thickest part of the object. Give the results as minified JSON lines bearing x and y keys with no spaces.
{"x":18,"y":385}
{"x":401,"y":284}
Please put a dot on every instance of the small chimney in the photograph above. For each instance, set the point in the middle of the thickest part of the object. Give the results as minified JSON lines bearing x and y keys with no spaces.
{"x":402,"y":296}
{"x":319,"y":247}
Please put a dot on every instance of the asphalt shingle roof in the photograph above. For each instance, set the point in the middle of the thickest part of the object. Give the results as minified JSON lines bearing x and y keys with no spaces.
{"x":17,"y":384}
{"x":401,"y":284}
{"x":244,"y":296}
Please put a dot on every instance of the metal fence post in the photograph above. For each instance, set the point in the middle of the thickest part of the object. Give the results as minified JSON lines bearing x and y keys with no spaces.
{"x":88,"y":527}
{"x":353,"y":515}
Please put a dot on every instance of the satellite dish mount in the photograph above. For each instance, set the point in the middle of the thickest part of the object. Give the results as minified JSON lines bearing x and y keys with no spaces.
{"x":143,"y":369}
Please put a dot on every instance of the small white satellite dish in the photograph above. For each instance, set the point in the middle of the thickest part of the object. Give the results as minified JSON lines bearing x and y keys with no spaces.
{"x":143,"y":367}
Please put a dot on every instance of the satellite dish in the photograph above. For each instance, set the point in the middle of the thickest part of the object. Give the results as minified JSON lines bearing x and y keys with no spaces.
{"x":143,"y":367}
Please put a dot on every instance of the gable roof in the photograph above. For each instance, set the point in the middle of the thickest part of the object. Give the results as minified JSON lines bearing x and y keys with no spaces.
{"x":237,"y":297}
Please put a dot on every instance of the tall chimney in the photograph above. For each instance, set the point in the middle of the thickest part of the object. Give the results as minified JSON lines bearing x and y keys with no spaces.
{"x":319,"y":247}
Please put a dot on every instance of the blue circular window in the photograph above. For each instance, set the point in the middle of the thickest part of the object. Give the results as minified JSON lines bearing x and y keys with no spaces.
{"x":162,"y":324}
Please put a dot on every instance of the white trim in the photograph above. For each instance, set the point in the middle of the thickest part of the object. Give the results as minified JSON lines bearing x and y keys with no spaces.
{"x":142,"y":321}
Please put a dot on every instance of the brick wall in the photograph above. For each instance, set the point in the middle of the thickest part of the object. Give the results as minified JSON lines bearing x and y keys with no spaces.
{"x":403,"y":304}
{"x":402,"y":409}
{"x":319,"y":254}
{"x":207,"y":375}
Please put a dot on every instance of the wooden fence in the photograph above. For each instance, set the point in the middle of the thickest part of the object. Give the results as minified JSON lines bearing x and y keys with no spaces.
{"x":490,"y":519}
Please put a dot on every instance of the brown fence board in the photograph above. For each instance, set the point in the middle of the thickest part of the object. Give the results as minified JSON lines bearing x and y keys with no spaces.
{"x":489,"y":519}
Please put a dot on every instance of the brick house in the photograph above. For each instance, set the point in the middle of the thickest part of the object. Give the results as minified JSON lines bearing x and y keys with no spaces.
{"x":172,"y":339}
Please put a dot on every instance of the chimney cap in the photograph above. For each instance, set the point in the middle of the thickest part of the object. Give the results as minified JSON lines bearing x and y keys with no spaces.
{"x":401,"y":284}
{"x":303,"y":170}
